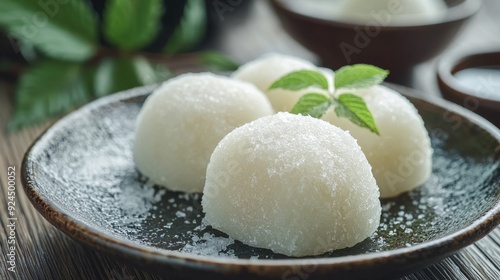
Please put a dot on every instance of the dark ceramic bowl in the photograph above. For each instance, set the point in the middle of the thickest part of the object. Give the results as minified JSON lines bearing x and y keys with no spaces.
{"x":483,"y":98}
{"x":81,"y":177}
{"x":390,"y":46}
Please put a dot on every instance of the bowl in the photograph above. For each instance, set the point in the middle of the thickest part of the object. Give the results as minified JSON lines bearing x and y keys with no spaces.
{"x":379,"y":40}
{"x":472,"y":81}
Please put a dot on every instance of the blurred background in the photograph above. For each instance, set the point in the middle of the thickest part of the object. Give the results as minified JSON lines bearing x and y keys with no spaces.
{"x":55,"y":57}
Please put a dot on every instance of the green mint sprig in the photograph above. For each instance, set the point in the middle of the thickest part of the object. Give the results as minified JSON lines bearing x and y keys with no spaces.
{"x":347,"y":105}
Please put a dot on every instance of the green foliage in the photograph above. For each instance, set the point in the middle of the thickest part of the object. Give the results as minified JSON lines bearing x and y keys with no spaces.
{"x":71,"y":66}
{"x":190,"y":30}
{"x":347,"y":105}
{"x":354,"y":108}
{"x":359,"y":76}
{"x":50,"y":87}
{"x":64,"y":31}
{"x":132,"y":24}
{"x":117,"y":74}
{"x":218,"y":62}
{"x":300,"y":80}
{"x":312,"y":104}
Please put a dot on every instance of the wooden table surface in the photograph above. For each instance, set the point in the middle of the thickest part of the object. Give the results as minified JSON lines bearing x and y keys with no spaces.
{"x":43,"y":252}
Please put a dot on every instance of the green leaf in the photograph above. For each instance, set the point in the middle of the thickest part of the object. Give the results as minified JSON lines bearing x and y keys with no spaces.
{"x":218,"y":62}
{"x":359,"y":76}
{"x":64,"y":31}
{"x":301,"y":79}
{"x":312,"y":104}
{"x":161,"y":72}
{"x":49,"y":88}
{"x":28,"y":51}
{"x":190,"y":30}
{"x":117,"y":74}
{"x":132,"y":24}
{"x":354,"y":108}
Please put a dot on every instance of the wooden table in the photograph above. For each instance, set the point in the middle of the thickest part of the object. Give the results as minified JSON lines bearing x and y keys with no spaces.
{"x":45,"y":253}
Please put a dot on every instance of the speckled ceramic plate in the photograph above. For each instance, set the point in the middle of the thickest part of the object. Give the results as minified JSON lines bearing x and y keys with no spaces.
{"x":81,"y":177}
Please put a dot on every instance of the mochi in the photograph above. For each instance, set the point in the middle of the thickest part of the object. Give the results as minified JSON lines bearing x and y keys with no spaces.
{"x":293,"y":184}
{"x":183,"y":120}
{"x":401,"y":157}
{"x":264,"y":71}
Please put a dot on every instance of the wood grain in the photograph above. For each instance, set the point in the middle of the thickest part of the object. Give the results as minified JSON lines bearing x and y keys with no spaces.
{"x":43,"y":252}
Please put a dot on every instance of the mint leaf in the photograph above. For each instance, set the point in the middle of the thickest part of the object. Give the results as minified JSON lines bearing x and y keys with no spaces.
{"x":354,"y":108}
{"x":50,"y":87}
{"x":312,"y":104}
{"x":301,"y":79}
{"x":359,"y":76}
{"x":64,"y":31}
{"x":218,"y":62}
{"x":117,"y":74}
{"x":190,"y":30}
{"x":131,"y":25}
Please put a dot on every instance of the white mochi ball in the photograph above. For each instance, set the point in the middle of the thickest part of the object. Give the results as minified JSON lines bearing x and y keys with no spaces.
{"x":293,"y":184}
{"x":183,"y":120}
{"x":401,"y":157}
{"x":264,"y":71}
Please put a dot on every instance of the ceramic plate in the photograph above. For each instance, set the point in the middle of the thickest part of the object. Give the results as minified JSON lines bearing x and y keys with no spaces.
{"x":81,"y":177}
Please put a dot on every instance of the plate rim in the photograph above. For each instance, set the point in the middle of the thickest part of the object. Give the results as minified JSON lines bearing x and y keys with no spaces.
{"x":120,"y":247}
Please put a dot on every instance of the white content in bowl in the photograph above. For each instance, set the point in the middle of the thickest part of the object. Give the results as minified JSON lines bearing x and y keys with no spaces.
{"x":264,"y":71}
{"x":372,"y":12}
{"x":183,"y":120}
{"x":293,"y":184}
{"x":393,"y":11}
{"x":401,"y":157}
